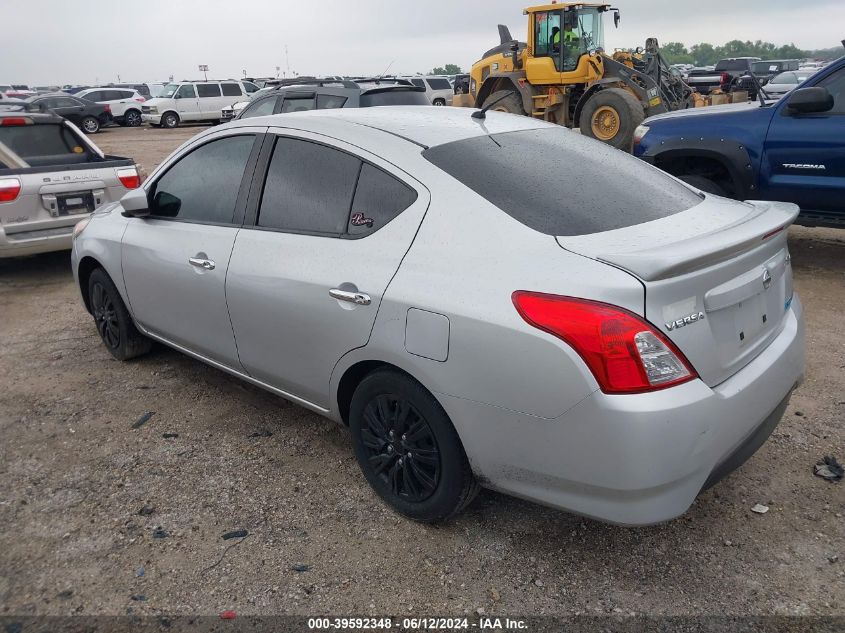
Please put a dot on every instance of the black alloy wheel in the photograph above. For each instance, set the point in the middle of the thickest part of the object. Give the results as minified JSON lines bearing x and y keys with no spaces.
{"x":401,"y":447}
{"x":105,"y":315}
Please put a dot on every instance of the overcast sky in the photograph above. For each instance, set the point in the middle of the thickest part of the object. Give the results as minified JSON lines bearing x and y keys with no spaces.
{"x":85,"y":41}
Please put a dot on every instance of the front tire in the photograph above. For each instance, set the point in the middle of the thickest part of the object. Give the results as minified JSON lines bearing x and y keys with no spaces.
{"x":439,"y":102}
{"x":408,"y":449}
{"x":611,"y":116}
{"x":90,"y":125}
{"x":170,"y":120}
{"x":114,"y":324}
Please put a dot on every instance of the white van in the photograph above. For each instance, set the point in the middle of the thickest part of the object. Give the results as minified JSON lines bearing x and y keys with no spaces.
{"x":438,"y":89}
{"x":191,"y":101}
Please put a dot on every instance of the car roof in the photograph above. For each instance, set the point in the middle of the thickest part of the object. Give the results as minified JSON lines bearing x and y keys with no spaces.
{"x":423,"y":125}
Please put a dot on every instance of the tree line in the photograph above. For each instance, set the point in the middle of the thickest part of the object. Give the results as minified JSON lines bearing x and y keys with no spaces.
{"x":705,"y":54}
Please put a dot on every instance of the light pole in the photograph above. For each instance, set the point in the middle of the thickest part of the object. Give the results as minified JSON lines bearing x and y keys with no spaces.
{"x":204,"y":70}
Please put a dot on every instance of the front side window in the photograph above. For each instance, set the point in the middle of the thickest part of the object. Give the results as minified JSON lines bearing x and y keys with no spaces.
{"x":203,"y":185}
{"x":96,"y":95}
{"x":308,"y":188}
{"x":186,"y":92}
{"x":835,"y":85}
{"x":231,"y":90}
{"x":208,"y":90}
{"x":262,"y":107}
{"x":419,"y":83}
{"x":250,"y":87}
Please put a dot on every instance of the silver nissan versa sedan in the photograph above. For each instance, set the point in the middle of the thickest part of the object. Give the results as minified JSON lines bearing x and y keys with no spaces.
{"x":491,"y":302}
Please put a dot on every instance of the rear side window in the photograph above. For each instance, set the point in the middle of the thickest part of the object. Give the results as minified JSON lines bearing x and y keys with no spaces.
{"x":330,"y":102}
{"x":231,"y":90}
{"x":208,"y":90}
{"x":439,"y":84}
{"x":261,"y":107}
{"x":298,"y":105}
{"x":308,"y":188}
{"x":203,"y":186}
{"x":28,"y":141}
{"x":558,"y":183}
{"x":379,"y":198}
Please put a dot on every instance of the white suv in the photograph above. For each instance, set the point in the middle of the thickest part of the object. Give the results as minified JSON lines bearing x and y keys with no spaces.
{"x":438,"y":89}
{"x":125,"y":103}
{"x":191,"y":101}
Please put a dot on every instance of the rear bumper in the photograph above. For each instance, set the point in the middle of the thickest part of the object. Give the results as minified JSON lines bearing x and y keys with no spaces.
{"x":638,"y":459}
{"x":36,"y":242}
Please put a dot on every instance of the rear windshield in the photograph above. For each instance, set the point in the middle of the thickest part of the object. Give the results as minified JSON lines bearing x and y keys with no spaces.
{"x":761,"y":68}
{"x":393,"y":97}
{"x":559,"y":183}
{"x":733,"y":64}
{"x":29,"y":141}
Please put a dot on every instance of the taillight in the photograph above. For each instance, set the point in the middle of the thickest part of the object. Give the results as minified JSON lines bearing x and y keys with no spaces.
{"x":107,"y":107}
{"x":140,"y":99}
{"x":726,"y":78}
{"x":9,"y":189}
{"x":625,"y":353}
{"x":129,"y":177}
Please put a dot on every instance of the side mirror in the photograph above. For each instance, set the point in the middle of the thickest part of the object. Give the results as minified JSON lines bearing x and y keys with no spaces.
{"x":808,"y":100}
{"x":135,"y":204}
{"x":616,"y":19}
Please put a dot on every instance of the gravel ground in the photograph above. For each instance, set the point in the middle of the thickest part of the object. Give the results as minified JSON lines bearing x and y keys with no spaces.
{"x":84,"y":495}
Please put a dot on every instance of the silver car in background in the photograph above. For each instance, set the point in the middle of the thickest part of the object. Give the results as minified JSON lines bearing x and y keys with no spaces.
{"x":463,"y":295}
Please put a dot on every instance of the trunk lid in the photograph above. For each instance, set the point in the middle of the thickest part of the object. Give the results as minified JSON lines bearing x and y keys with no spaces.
{"x":717,"y":278}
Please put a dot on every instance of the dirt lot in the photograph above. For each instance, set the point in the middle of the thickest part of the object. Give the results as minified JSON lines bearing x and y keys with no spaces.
{"x":74,"y":475}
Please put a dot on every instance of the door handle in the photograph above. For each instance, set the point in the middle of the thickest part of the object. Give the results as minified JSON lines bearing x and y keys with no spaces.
{"x":199,"y":262}
{"x":358,"y":298}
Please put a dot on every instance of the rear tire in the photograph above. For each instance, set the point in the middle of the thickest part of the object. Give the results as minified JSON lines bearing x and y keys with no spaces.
{"x":705,"y":184}
{"x":439,"y":102}
{"x":408,"y":449}
{"x":170,"y":120}
{"x":114,"y":324}
{"x":511,"y":104}
{"x":132,"y":118}
{"x":90,"y":125}
{"x":611,"y":116}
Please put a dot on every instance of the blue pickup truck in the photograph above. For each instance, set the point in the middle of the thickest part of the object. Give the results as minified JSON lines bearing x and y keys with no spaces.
{"x":791,"y":150}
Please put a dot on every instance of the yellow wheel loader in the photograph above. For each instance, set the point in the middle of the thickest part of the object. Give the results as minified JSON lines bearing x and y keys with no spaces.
{"x":562,"y":74}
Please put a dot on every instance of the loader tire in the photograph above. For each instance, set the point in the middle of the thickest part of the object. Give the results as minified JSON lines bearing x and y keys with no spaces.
{"x":611,"y":116}
{"x":511,"y":104}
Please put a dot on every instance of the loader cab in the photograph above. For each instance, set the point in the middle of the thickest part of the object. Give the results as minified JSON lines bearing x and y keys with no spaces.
{"x":561,"y":37}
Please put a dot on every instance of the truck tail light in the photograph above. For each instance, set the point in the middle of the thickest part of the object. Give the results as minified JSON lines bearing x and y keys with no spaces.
{"x":625,"y":353}
{"x":140,"y":99}
{"x":725,"y":78}
{"x":129,"y":177}
{"x":107,"y":107}
{"x":16,"y":120}
{"x":9,"y":189}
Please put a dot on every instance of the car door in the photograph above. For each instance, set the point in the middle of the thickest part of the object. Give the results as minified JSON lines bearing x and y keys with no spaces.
{"x":210,"y":101}
{"x":187,"y":104}
{"x":330,"y":227}
{"x":71,"y":109}
{"x":175,"y":260}
{"x":804,"y":154}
